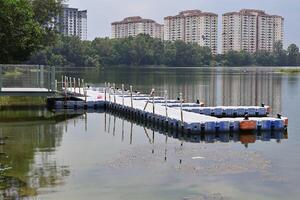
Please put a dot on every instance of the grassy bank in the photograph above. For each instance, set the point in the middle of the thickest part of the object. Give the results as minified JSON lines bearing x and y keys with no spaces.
{"x":289,"y":70}
{"x":22,"y":101}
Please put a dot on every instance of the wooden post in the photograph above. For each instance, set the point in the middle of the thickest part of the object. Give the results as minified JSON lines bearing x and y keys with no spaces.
{"x":123,"y":95}
{"x":181,"y":111}
{"x":131,"y":96}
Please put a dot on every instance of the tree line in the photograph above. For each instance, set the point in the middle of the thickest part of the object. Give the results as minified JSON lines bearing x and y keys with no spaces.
{"x":144,"y":50}
{"x":28,"y":35}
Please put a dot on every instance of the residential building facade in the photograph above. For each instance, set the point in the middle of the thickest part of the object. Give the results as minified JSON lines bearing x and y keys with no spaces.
{"x":251,"y":30}
{"x":73,"y":22}
{"x":193,"y":26}
{"x":132,"y":26}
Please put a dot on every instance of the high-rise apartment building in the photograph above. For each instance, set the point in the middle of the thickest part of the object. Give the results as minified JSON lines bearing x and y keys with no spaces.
{"x":251,"y":30}
{"x":73,"y":22}
{"x":193,"y":26}
{"x":132,"y":26}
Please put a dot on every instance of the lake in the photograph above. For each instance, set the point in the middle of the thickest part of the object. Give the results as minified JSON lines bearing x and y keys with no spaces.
{"x":101,"y":155}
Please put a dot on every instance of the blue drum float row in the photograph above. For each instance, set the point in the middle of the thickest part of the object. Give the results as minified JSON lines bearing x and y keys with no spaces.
{"x":173,"y":114}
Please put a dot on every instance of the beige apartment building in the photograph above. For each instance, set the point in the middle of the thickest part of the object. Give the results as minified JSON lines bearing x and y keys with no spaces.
{"x":251,"y":30}
{"x":193,"y":26}
{"x":132,"y":26}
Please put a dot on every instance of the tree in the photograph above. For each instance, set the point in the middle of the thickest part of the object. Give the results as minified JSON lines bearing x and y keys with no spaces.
{"x":20,"y":34}
{"x":264,"y":58}
{"x":279,"y":54}
{"x":293,"y":53}
{"x":45,"y":12}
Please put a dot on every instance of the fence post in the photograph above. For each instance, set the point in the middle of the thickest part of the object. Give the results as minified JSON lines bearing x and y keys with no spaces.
{"x":1,"y":78}
{"x":41,"y":76}
{"x":53,"y":84}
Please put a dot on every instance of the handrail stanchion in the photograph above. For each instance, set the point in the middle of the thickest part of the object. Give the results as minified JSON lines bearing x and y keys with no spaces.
{"x":123,"y":95}
{"x":105,"y":91}
{"x":114,"y":90}
{"x":150,"y":95}
{"x":62,"y":83}
{"x":82,"y":85}
{"x":74,"y":79}
{"x":166,"y":104}
{"x":181,"y":111}
{"x":153,"y":102}
{"x":131,"y":96}
{"x":109,"y":90}
{"x":0,"y":78}
{"x":79,"y":86}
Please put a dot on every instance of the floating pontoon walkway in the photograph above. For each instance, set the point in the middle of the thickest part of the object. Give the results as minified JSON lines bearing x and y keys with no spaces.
{"x":172,"y":114}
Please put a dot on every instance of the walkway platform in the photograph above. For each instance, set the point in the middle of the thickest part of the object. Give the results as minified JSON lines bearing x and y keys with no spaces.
{"x":26,"y":92}
{"x":180,"y":117}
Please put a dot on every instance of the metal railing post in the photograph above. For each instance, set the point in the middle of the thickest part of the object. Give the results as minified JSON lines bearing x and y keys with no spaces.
{"x":53,"y":84}
{"x":41,"y":76}
{"x":48,"y":78}
{"x":131,"y":96}
{"x":1,"y":71}
{"x":123,"y":95}
{"x":79,"y":85}
{"x":181,"y":111}
{"x":166,"y":104}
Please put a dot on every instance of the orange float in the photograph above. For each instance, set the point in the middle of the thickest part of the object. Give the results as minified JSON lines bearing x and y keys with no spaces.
{"x":247,"y":125}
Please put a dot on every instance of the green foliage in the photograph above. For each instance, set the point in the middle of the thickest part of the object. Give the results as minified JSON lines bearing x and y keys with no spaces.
{"x":20,"y":34}
{"x":292,"y":55}
{"x":138,"y":51}
{"x":26,"y":26}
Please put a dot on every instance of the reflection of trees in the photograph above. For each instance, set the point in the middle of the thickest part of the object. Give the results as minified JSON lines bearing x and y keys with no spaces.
{"x":252,"y":88}
{"x":28,"y":153}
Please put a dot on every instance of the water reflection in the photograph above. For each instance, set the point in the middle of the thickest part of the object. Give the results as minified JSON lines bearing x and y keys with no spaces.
{"x":213,"y":86}
{"x":27,"y":159}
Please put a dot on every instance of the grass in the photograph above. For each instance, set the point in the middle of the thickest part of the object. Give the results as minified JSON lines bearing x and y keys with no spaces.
{"x":22,"y":101}
{"x":289,"y":70}
{"x":13,"y":73}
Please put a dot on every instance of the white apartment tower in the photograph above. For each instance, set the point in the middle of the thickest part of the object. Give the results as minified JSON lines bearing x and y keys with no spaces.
{"x":132,"y":26}
{"x":251,"y":30}
{"x":193,"y":26}
{"x":73,"y":22}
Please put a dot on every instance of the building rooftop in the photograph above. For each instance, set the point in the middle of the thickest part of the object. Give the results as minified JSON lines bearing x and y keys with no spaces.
{"x":191,"y":13}
{"x":134,"y":19}
{"x":252,"y":12}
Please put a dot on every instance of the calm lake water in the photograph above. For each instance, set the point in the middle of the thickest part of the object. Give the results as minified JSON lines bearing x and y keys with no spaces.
{"x":103,"y":156}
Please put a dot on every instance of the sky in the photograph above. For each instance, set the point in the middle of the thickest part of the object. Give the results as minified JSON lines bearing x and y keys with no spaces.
{"x":102,"y":12}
